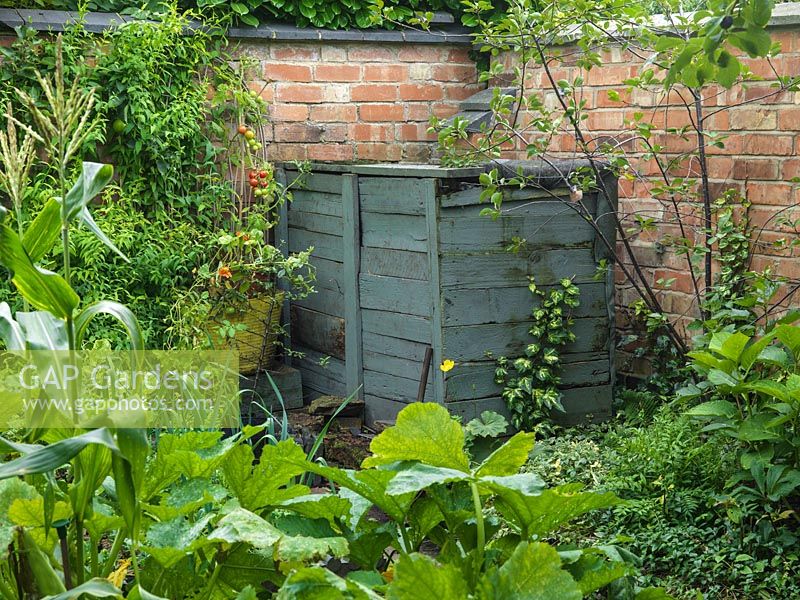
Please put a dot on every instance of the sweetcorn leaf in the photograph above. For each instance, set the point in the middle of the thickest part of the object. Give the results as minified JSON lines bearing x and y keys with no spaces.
{"x":418,"y":576}
{"x":509,"y":458}
{"x":532,"y":573}
{"x":424,"y":432}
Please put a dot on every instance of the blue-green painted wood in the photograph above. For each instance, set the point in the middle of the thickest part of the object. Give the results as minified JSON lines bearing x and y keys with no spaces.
{"x":328,"y":183}
{"x":330,"y":273}
{"x":323,"y":380}
{"x":395,"y":263}
{"x":325,"y":246}
{"x":405,"y":327}
{"x":393,"y":196}
{"x":470,"y":196}
{"x":435,"y":290}
{"x":282,"y":242}
{"x":308,"y":221}
{"x":393,"y":365}
{"x":555,"y":227}
{"x":393,"y":346}
{"x":393,"y":294}
{"x":399,"y":388}
{"x":470,"y":343}
{"x":319,"y":331}
{"x":352,"y":298}
{"x":470,"y":381}
{"x":397,"y":232}
{"x":512,"y":304}
{"x":482,"y":271}
{"x":317,"y":203}
{"x":325,"y":301}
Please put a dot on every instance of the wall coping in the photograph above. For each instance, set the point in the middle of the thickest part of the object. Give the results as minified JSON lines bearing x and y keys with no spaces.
{"x":446,"y":32}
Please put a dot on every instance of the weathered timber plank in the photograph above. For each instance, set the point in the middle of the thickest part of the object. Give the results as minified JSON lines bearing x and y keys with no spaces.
{"x":328,"y":379}
{"x":432,"y":216}
{"x":512,"y":304}
{"x":317,"y":203}
{"x":391,"y":346}
{"x":282,"y":242}
{"x":394,"y":365}
{"x":406,"y":327}
{"x":470,"y":381}
{"x":393,"y":195}
{"x":394,"y":263}
{"x":352,"y":268}
{"x":397,"y":232}
{"x":470,"y":196}
{"x":325,"y":246}
{"x":393,"y":294}
{"x":392,"y":386}
{"x":470,"y":343}
{"x":381,"y":409}
{"x":586,"y":404}
{"x":330,"y":274}
{"x":299,"y":219}
{"x":557,"y":227}
{"x":318,"y":331}
{"x":327,"y":183}
{"x":480,"y":271}
{"x":330,"y":302}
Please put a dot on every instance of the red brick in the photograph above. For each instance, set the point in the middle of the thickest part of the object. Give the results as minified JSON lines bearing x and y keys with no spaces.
{"x":299,"y":92}
{"x":380,"y":152}
{"x":459,"y":55}
{"x":420,"y":92}
{"x":755,"y":169}
{"x":414,"y":132}
{"x":461,"y":92}
{"x":789,"y":119}
{"x":418,"y":153}
{"x":337,"y":73}
{"x":265,"y":91}
{"x":751,"y":118}
{"x":370,"y":54}
{"x":768,"y":145}
{"x":288,"y":112}
{"x":335,"y":132}
{"x":771,"y":193}
{"x":298,"y":132}
{"x":330,"y":152}
{"x":605,"y":120}
{"x":334,"y":113}
{"x":373,"y":93}
{"x":462,"y":73}
{"x":284,"y":151}
{"x":284,"y":72}
{"x":294,"y":53}
{"x":683,"y":281}
{"x":790,"y":169}
{"x":602,"y":99}
{"x":7,"y":41}
{"x":421,"y":54}
{"x":380,"y":112}
{"x":364,"y":132}
{"x":394,"y":73}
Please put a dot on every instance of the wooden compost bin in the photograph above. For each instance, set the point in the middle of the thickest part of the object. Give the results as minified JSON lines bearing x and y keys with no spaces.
{"x":405,"y":261}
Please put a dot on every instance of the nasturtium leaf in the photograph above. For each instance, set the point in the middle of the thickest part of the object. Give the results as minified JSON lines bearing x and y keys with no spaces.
{"x":417,"y":576}
{"x":532,"y":573}
{"x":424,"y":432}
{"x":509,"y":458}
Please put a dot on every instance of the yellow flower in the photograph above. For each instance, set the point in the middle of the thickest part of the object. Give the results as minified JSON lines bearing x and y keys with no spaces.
{"x":117,"y":578}
{"x":447,"y":365}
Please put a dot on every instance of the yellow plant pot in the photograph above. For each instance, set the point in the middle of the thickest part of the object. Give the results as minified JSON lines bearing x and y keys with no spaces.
{"x":261,"y":318}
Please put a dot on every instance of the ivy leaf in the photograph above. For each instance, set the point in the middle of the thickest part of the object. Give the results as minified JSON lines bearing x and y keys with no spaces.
{"x":424,"y":432}
{"x":532,"y":573}
{"x":417,"y":576}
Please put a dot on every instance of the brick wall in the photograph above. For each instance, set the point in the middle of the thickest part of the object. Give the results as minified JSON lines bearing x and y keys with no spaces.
{"x":358,"y":101}
{"x":759,"y":159}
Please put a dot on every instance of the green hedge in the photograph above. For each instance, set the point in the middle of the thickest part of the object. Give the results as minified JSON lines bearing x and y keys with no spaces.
{"x":334,"y":14}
